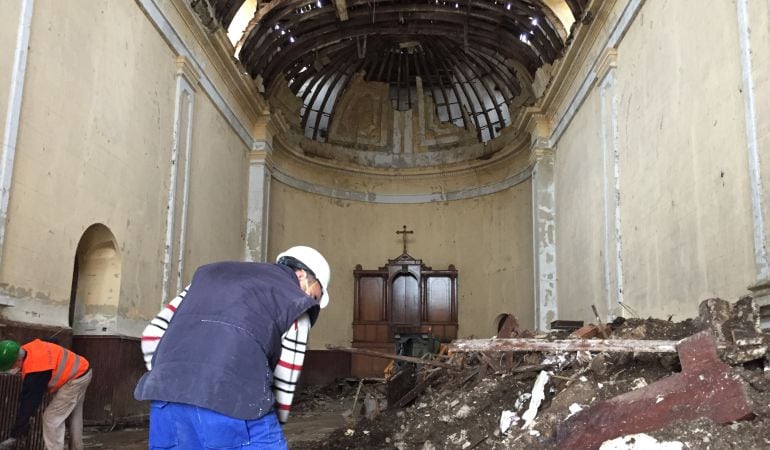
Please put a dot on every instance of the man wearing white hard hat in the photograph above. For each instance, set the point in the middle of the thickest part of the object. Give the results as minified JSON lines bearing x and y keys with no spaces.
{"x":233,"y":352}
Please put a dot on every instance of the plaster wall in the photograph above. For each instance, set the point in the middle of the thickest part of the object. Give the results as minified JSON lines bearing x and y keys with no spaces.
{"x":218,"y":191}
{"x":95,"y":147}
{"x":94,"y":130}
{"x":9,"y":27}
{"x":487,"y":238}
{"x":684,"y":187}
{"x":578,"y":177}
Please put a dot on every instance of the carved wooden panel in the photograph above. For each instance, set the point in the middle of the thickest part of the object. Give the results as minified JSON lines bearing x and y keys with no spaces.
{"x":405,"y":301}
{"x":371,"y":299}
{"x":403,"y":294}
{"x":439,"y":299}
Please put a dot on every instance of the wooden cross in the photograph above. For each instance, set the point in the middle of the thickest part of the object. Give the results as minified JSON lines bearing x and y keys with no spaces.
{"x":405,"y":233}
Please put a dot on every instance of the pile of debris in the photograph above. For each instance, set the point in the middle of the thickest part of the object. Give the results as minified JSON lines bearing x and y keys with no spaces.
{"x":701,"y":383}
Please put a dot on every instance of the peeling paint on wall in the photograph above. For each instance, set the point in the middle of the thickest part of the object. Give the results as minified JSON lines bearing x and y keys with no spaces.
{"x":544,"y":239}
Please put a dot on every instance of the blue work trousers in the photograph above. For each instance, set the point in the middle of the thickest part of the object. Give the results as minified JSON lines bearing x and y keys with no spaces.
{"x":181,"y":426}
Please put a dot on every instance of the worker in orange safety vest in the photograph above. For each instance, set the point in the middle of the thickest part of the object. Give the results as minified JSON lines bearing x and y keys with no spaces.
{"x":46,"y":366}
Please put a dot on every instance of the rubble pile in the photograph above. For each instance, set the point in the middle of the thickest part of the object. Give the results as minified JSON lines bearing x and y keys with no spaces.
{"x":638,"y":383}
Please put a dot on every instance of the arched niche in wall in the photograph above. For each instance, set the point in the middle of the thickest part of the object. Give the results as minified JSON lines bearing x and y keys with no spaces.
{"x":95,"y":283}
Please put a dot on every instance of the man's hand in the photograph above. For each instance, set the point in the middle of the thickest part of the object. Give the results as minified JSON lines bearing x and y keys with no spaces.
{"x":8,"y":444}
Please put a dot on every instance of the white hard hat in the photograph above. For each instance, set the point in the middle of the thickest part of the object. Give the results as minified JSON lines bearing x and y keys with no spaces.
{"x":313,"y":260}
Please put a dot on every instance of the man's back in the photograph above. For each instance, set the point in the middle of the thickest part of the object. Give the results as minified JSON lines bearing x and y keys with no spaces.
{"x":224,"y":341}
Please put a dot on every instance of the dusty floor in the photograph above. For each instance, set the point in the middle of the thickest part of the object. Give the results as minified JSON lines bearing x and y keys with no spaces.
{"x":315,"y":416}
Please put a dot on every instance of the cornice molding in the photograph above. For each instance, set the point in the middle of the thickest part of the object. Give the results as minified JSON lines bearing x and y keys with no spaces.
{"x":589,"y":58}
{"x":220,"y":51}
{"x":288,"y":145}
{"x":427,"y":197}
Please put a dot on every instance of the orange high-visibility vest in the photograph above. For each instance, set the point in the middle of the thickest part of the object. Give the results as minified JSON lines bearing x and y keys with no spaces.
{"x":42,"y":356}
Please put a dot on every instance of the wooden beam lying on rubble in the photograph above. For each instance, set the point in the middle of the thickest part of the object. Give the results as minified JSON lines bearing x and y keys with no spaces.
{"x":567,"y":345}
{"x":411,"y":359}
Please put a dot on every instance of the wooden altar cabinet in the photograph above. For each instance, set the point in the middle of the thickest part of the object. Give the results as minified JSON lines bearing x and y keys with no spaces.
{"x":404,"y":295}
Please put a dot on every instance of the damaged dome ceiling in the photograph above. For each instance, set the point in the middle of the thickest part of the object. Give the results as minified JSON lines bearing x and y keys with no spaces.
{"x":470,"y":56}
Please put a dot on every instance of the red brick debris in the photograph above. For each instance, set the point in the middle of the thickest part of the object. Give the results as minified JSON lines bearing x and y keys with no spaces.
{"x":706,"y":387}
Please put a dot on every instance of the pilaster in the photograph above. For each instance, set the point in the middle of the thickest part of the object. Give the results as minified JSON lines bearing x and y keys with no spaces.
{"x":187,"y":81}
{"x":258,"y":203}
{"x":752,"y":37}
{"x":543,"y":222}
{"x":612,"y":236}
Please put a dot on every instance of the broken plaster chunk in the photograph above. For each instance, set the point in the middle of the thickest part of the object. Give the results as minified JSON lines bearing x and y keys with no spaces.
{"x":464,"y":412}
{"x":349,"y":432}
{"x":559,"y":360}
{"x":507,"y":418}
{"x":538,"y":395}
{"x":459,"y":438}
{"x":639,"y":383}
{"x":574,"y":409}
{"x":640,"y":441}
{"x":521,"y":400}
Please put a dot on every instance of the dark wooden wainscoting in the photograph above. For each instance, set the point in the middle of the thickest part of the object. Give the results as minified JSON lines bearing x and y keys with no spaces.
{"x":117,"y":365}
{"x":322,"y":367}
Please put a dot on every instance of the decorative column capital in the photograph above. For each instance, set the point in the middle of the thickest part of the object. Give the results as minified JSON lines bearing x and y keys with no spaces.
{"x":540,"y":129}
{"x":537,"y":154}
{"x":259,"y":152}
{"x":608,"y":61}
{"x":185,"y":70}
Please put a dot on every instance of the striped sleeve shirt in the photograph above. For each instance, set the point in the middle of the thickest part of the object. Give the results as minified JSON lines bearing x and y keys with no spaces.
{"x":286,"y":373}
{"x":157,"y":328}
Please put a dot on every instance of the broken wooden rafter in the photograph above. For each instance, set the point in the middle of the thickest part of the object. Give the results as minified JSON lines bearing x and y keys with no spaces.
{"x":568,"y":345}
{"x":411,"y":359}
{"x":342,"y":9}
{"x":417,"y":390}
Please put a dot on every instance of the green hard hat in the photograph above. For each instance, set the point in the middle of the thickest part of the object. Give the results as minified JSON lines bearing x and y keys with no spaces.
{"x":9,"y":352}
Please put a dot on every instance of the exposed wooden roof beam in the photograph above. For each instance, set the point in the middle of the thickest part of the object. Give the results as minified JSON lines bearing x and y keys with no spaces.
{"x":342,"y":9}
